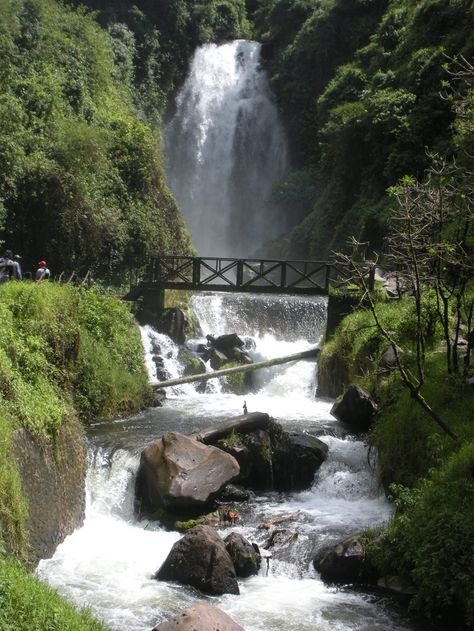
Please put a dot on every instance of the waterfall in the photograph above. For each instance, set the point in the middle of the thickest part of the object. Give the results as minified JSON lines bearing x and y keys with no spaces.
{"x":226,"y":151}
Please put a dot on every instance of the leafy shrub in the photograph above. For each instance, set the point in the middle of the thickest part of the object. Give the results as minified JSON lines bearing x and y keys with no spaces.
{"x":431,"y":539}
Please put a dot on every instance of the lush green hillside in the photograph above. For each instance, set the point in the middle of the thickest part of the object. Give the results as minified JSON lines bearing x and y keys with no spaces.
{"x":360,"y":84}
{"x":81,"y":181}
{"x":63,"y":352}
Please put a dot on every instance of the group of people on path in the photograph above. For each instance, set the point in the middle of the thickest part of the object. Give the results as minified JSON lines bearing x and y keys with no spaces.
{"x":10,"y":268}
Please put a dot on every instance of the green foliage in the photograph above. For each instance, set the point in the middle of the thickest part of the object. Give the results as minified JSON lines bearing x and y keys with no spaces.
{"x":431,"y":539}
{"x":63,"y":351}
{"x":359,"y":84}
{"x":80,"y":177}
{"x":13,"y":506}
{"x":28,"y":604}
{"x":408,"y":443}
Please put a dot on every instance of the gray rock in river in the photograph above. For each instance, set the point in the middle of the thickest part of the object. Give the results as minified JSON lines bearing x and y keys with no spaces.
{"x":347,"y":562}
{"x":179,"y":474}
{"x":200,"y":559}
{"x":245,"y":556}
{"x":355,"y":408}
{"x":272,"y":458}
{"x":202,"y":616}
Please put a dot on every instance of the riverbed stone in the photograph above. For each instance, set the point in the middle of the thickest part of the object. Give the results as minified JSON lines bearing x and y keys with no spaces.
{"x":179,"y":474}
{"x":355,"y":408}
{"x":200,"y":559}
{"x":346,"y":562}
{"x":296,"y":457}
{"x":245,"y":555}
{"x":271,"y":458}
{"x":200,"y":617}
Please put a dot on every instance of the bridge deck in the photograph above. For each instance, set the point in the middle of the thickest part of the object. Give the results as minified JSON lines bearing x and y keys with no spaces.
{"x":266,"y":276}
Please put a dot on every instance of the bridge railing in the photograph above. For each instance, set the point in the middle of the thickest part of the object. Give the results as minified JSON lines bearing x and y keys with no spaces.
{"x":232,"y":274}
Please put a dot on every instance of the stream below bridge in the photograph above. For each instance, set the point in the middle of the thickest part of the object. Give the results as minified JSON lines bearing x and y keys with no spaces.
{"x":108,"y":563}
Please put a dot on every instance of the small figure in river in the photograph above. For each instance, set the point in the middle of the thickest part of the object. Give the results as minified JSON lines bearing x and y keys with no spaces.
{"x":42,"y":273}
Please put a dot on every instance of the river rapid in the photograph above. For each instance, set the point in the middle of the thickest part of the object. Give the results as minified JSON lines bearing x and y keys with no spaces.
{"x":108,"y":563}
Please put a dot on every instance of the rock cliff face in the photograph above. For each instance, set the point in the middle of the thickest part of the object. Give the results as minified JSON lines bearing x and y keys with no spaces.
{"x":52,"y":476}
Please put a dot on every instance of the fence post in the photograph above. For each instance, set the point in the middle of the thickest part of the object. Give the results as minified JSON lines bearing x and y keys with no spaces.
{"x":283,"y":275}
{"x":240,"y":273}
{"x":196,"y":271}
{"x":327,"y":282}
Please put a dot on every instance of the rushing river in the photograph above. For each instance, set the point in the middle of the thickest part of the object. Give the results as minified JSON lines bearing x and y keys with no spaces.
{"x":108,"y":563}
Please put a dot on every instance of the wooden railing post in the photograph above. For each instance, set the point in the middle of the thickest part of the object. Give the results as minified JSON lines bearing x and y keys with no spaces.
{"x":196,"y":271}
{"x":283,"y":275}
{"x":327,"y":282}
{"x":240,"y":274}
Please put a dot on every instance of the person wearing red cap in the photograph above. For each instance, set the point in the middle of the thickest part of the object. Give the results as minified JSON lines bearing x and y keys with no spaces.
{"x":42,"y":273}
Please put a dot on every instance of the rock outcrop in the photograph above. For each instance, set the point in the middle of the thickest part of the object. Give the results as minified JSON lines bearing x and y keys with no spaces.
{"x":200,"y":559}
{"x":269,"y":457}
{"x":52,"y":478}
{"x":179,"y":474}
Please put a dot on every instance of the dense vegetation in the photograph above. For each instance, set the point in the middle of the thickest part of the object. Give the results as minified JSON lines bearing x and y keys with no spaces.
{"x":64,"y":352}
{"x":429,"y":475}
{"x":81,"y":181}
{"x":360,"y":84}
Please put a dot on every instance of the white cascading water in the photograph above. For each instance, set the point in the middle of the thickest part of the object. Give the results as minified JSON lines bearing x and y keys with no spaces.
{"x":108,"y":563}
{"x":226,"y":151}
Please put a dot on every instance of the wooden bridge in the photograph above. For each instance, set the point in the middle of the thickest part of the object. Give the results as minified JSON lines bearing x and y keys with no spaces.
{"x":264,"y":276}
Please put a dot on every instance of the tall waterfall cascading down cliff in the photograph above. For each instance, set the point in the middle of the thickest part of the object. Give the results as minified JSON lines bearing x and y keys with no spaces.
{"x":226,"y":151}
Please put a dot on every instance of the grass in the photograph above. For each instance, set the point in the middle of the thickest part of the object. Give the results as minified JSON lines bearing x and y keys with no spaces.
{"x":27,"y":604}
{"x":64,"y":351}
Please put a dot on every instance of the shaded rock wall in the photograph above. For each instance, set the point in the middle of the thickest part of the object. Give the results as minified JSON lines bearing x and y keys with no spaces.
{"x":53,"y":476}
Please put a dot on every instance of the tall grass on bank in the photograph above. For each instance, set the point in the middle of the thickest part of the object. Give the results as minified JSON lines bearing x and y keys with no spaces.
{"x":26,"y":604}
{"x":63,"y":351}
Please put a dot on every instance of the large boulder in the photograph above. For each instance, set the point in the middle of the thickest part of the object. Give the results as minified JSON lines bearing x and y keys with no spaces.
{"x":347,"y":562}
{"x":179,"y":474}
{"x":202,"y":616}
{"x":296,"y":458}
{"x":355,"y":408}
{"x":269,"y":457}
{"x":200,"y":559}
{"x":225,"y":348}
{"x":245,"y":556}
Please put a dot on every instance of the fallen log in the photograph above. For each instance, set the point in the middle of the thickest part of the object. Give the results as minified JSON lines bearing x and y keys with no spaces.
{"x":243,"y":424}
{"x":309,"y":354}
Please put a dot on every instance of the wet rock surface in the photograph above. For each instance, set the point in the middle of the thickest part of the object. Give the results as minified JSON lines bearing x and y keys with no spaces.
{"x":202,"y":617}
{"x":245,"y":555}
{"x":180,"y":474}
{"x":200,"y":559}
